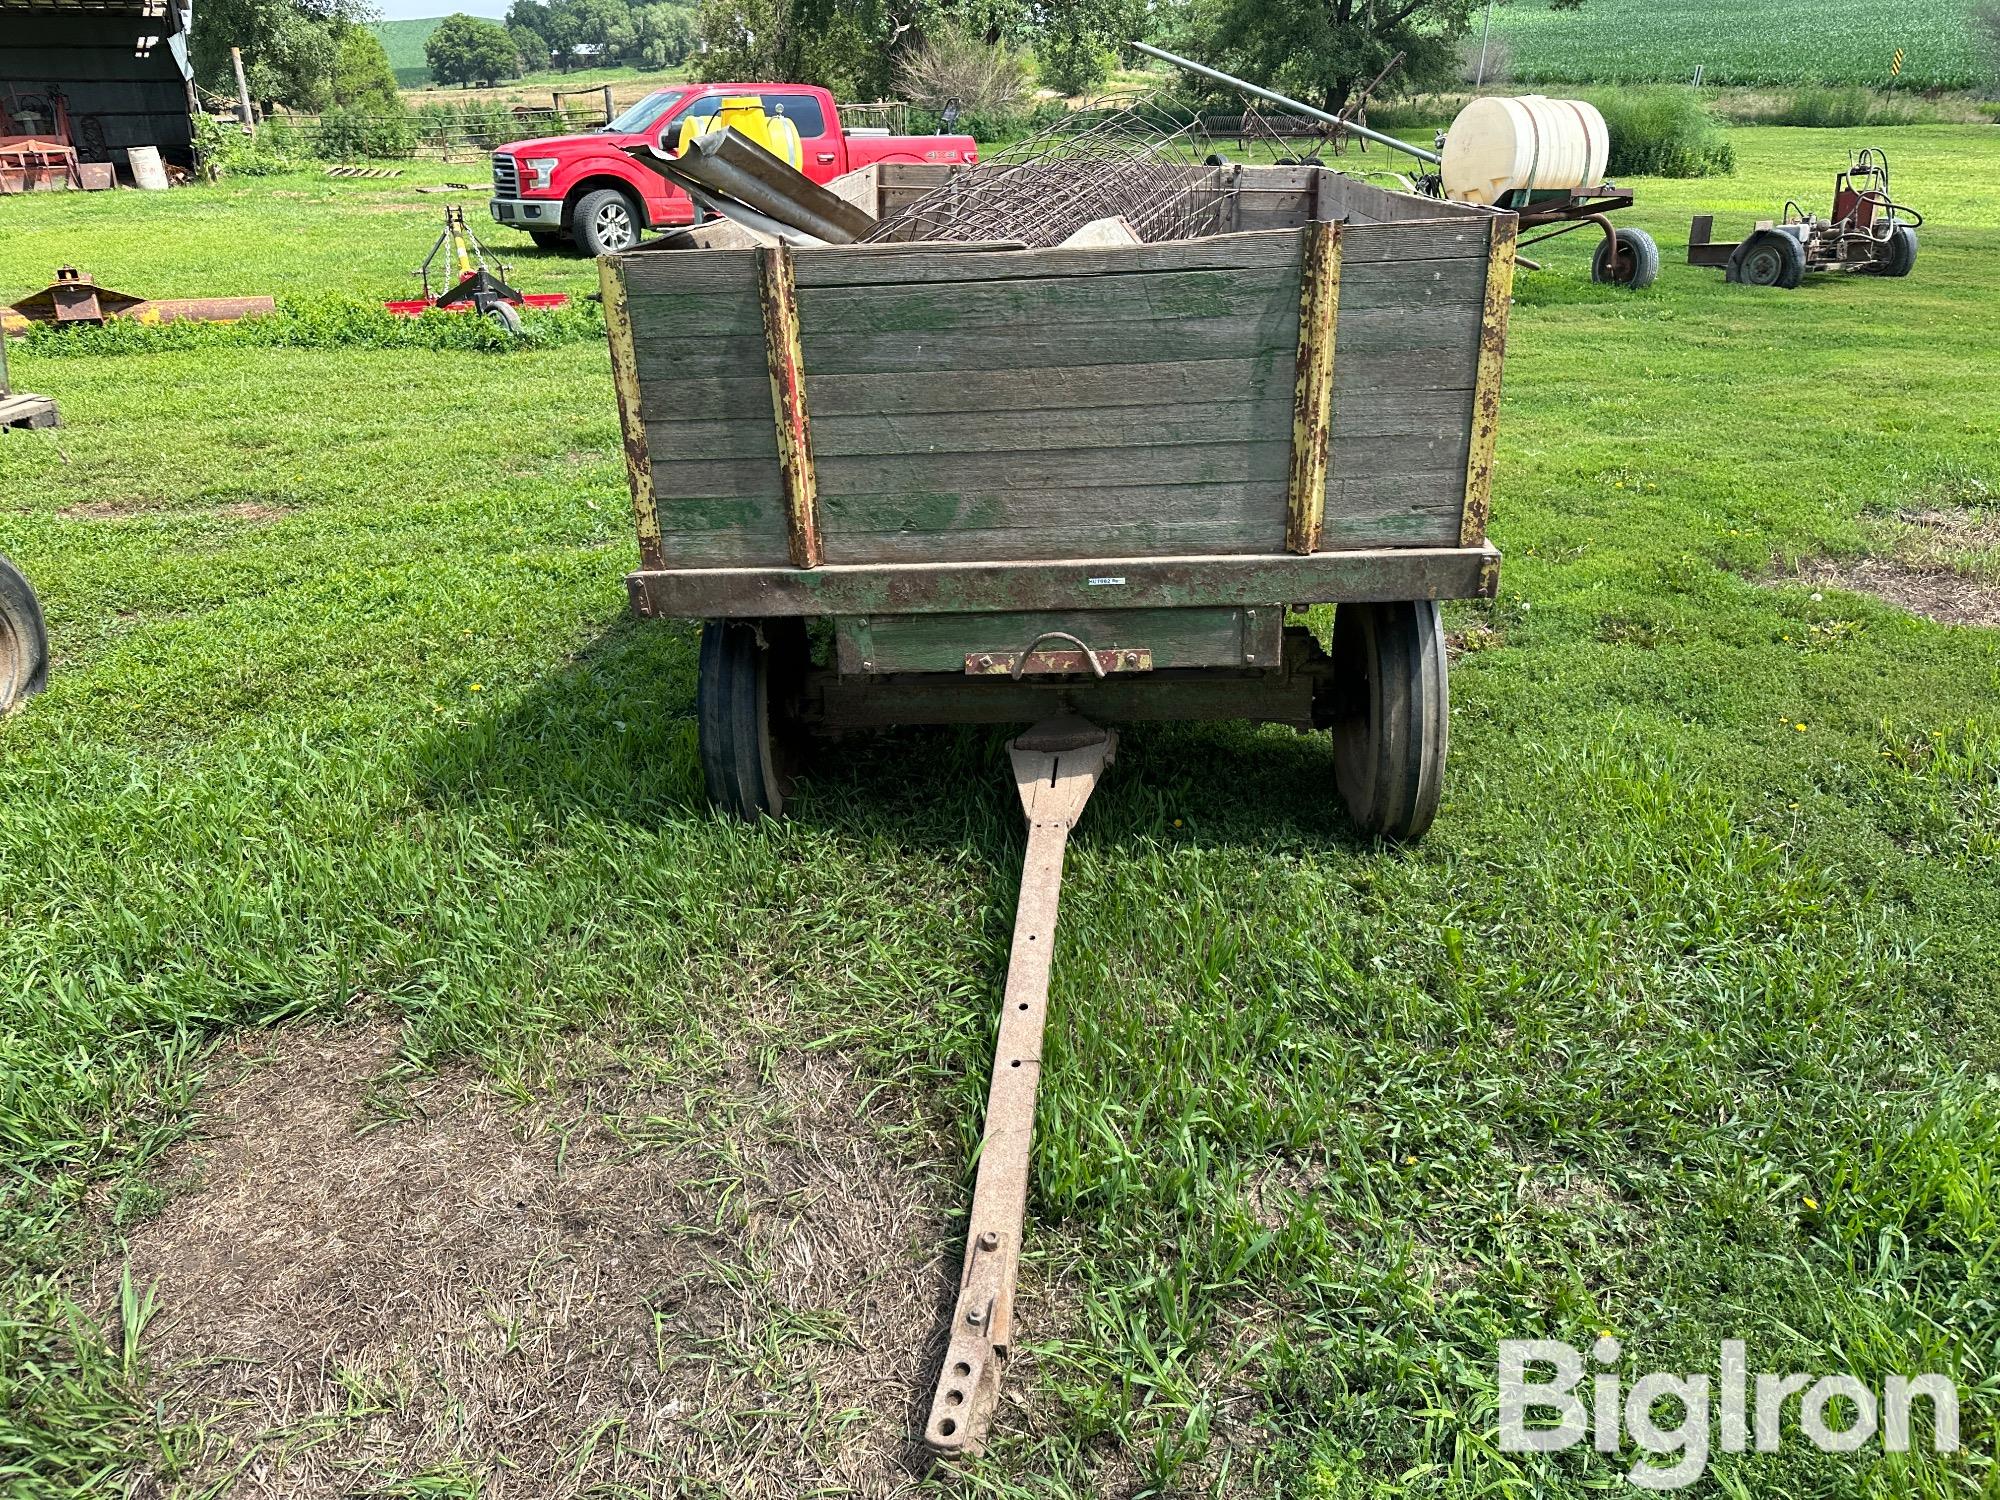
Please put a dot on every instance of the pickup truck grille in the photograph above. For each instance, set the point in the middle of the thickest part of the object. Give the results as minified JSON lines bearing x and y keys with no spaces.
{"x":506,"y":176}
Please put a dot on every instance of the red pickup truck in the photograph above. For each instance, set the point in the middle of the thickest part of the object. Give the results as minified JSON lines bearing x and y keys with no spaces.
{"x":586,"y":189}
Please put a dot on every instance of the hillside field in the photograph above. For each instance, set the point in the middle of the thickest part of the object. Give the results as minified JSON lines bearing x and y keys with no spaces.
{"x":1754,"y":42}
{"x":404,"y":42}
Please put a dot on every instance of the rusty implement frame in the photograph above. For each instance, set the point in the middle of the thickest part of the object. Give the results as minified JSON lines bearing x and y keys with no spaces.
{"x":73,"y":297}
{"x":1056,"y":767}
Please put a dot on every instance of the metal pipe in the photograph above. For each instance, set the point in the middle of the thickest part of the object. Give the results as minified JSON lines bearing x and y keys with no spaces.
{"x":1305,"y":109}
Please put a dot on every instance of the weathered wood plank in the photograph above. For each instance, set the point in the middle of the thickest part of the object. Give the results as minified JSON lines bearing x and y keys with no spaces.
{"x":1214,"y":461}
{"x":872,"y":265}
{"x":1091,"y":387}
{"x":1312,"y":397}
{"x":1175,"y":637}
{"x":666,"y":358}
{"x":956,"y":354}
{"x":726,"y":312}
{"x":1109,"y":302}
{"x":1090,"y":583}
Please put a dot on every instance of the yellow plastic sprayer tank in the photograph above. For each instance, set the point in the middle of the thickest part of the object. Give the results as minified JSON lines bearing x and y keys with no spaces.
{"x":1499,"y":146}
{"x":744,"y":113}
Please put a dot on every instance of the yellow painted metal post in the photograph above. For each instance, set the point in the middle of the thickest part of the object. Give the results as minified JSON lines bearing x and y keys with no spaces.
{"x":625,"y":380}
{"x":1486,"y":383}
{"x":788,"y":403}
{"x":1312,"y":399}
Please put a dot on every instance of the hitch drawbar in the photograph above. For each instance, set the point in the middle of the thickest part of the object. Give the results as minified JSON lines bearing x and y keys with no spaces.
{"x":1056,"y":767}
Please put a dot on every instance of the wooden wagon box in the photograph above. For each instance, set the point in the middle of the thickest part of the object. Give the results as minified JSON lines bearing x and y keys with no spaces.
{"x":1097,"y":477}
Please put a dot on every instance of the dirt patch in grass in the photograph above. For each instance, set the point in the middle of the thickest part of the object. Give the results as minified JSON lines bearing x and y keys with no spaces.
{"x":1937,"y":593}
{"x":732,"y":1284}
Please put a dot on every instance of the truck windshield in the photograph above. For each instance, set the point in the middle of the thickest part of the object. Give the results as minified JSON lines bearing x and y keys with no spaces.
{"x":648,"y":112}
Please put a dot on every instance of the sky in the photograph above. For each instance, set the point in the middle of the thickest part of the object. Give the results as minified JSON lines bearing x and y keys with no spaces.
{"x":417,"y":10}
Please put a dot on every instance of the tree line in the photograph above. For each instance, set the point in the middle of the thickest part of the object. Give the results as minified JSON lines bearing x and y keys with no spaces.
{"x":314,"y":54}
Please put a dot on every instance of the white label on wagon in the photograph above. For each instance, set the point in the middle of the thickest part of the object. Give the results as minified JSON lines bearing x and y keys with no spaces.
{"x":1098,"y":583}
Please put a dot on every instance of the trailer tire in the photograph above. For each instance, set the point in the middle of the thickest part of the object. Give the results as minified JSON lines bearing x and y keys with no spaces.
{"x":1899,"y":256}
{"x":1389,"y":712}
{"x":606,"y":222}
{"x":1769,"y":258}
{"x":1638,"y":250}
{"x":507,"y":316}
{"x":24,"y":640}
{"x":745,"y":685}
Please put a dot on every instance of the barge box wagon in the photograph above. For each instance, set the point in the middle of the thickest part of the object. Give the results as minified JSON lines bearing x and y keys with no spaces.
{"x":1019,"y":481}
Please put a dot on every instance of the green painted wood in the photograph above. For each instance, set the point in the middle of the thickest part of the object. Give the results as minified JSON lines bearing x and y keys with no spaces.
{"x":1176,"y":637}
{"x":867,"y":265}
{"x":1092,"y":583}
{"x":1104,"y":301}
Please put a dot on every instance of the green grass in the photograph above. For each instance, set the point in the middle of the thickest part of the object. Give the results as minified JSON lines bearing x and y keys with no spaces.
{"x":1755,"y":42}
{"x":1684,"y":1022}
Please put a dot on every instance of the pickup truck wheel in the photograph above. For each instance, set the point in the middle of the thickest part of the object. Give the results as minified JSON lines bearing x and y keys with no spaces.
{"x":24,"y":642}
{"x":1389,"y":709}
{"x":605,"y":223}
{"x":746,"y":683}
{"x":547,"y":239}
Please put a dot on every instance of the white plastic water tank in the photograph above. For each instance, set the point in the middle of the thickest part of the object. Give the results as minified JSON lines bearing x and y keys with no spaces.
{"x":1498,"y":145}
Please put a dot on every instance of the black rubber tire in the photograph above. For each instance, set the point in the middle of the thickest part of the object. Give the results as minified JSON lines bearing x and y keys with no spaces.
{"x":1899,"y":256}
{"x":594,"y":225}
{"x":746,"y":681}
{"x":507,"y":316}
{"x":547,"y":239}
{"x":1390,"y":715}
{"x":24,"y":639}
{"x":1769,"y":258}
{"x":1639,"y":257}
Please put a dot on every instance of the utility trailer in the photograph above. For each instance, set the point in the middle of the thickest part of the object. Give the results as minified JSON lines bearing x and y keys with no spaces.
{"x":1017,"y":483}
{"x":1057,"y":486}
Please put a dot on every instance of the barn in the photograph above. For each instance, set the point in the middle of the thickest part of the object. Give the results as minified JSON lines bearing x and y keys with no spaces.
{"x":93,"y":77}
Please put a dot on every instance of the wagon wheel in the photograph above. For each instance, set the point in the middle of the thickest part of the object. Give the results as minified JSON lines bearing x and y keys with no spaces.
{"x":1769,"y":259}
{"x":24,"y":641}
{"x":1389,"y":711}
{"x":1630,"y":258}
{"x":745,"y":693}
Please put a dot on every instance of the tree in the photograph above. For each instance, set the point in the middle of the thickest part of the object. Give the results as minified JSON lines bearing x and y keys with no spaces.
{"x":289,"y":46}
{"x":1074,"y":39}
{"x":848,"y":46}
{"x":465,"y":49}
{"x":1322,"y":50}
{"x":531,"y":47}
{"x":362,"y":77}
{"x":662,"y":35}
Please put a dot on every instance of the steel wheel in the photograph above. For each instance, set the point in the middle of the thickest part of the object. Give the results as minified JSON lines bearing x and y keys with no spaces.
{"x":1769,"y":259}
{"x":1389,"y":714}
{"x":24,"y":641}
{"x":747,"y":679}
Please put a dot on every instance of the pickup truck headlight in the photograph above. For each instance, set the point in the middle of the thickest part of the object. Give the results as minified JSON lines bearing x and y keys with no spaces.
{"x":539,"y":171}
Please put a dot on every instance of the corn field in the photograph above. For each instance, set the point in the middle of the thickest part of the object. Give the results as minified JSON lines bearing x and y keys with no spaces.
{"x":1748,"y":42}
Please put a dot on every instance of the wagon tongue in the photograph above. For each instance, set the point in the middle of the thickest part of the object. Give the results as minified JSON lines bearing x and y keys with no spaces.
{"x":1056,"y":767}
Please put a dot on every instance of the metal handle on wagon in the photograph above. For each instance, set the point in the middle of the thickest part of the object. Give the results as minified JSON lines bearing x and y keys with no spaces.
{"x":1021,"y":665}
{"x":1305,"y":109}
